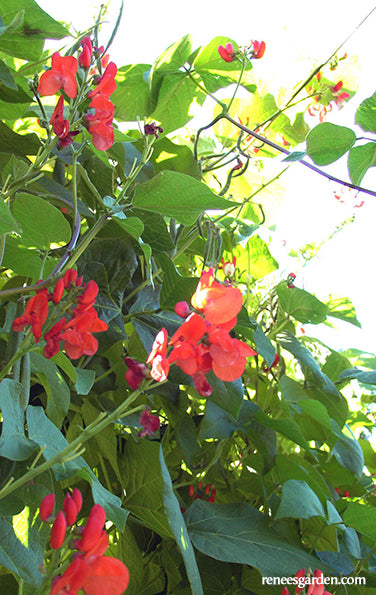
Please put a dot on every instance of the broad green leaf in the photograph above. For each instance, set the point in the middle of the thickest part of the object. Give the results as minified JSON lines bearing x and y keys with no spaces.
{"x":6,"y":77}
{"x":361,"y":517}
{"x":177,"y":102}
{"x":342,"y":308}
{"x":239,"y":533}
{"x":85,"y":381}
{"x":155,"y":232}
{"x":18,"y":144}
{"x":179,"y":529}
{"x":47,"y":226}
{"x":169,"y":155}
{"x":227,"y":395}
{"x":366,"y":114}
{"x":174,"y":57}
{"x":132,"y":97}
{"x":14,"y":445}
{"x":264,"y":346}
{"x":261,"y":261}
{"x":291,"y":389}
{"x":27,"y":39}
{"x":285,"y":426}
{"x":294,"y":466}
{"x":25,"y":261}
{"x":217,"y":423}
{"x":301,"y":305}
{"x":7,"y":221}
{"x":299,"y":501}
{"x":47,"y":435}
{"x":58,"y":395}
{"x":175,"y":288}
{"x":179,"y":196}
{"x":360,"y":159}
{"x":143,"y":482}
{"x":365,"y":376}
{"x":131,"y":225}
{"x":349,"y":453}
{"x":18,"y":558}
{"x":306,"y":359}
{"x":328,"y":142}
{"x":260,"y":434}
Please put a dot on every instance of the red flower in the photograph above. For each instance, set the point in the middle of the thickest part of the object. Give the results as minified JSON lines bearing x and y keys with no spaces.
{"x":227,"y":53}
{"x":70,"y":279}
{"x":35,"y":314}
{"x":93,"y":529}
{"x":77,"y":333}
{"x":62,"y":75}
{"x":77,"y":497}
{"x":340,"y":100}
{"x":47,"y":507}
{"x":106,"y":83}
{"x":337,"y":87}
{"x":53,"y":338}
{"x":228,"y":355}
{"x":219,"y":303}
{"x":58,"y":291}
{"x":136,"y":372}
{"x":182,"y":309}
{"x":258,"y":49}
{"x":149,"y":422}
{"x":157,"y":357}
{"x":84,"y":58}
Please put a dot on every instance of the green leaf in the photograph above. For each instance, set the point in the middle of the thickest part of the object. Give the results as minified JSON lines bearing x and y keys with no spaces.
{"x":208,"y":61}
{"x":177,"y":97}
{"x":174,"y":57}
{"x":328,"y":142}
{"x":143,"y":482}
{"x":366,"y":114}
{"x":361,"y":517}
{"x":85,"y":381}
{"x":365,"y":376}
{"x":179,"y":529}
{"x":175,"y":288}
{"x":264,"y":346}
{"x":7,"y":221}
{"x":305,"y":358}
{"x":239,"y":533}
{"x":261,"y":261}
{"x":58,"y":394}
{"x":260,"y":434}
{"x":18,"y":144}
{"x":14,"y":445}
{"x":27,"y":39}
{"x":132,"y":97}
{"x":46,"y":434}
{"x":360,"y":159}
{"x":42,"y":224}
{"x":217,"y":423}
{"x":342,"y":308}
{"x":169,"y":155}
{"x":301,"y":305}
{"x":294,"y":466}
{"x":179,"y":196}
{"x":6,"y":77}
{"x":299,"y":501}
{"x":227,"y":395}
{"x":291,"y":389}
{"x":349,"y":453}
{"x":18,"y":558}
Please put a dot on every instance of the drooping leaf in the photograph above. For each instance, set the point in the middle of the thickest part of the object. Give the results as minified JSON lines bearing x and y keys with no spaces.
{"x":179,"y":529}
{"x":58,"y":394}
{"x":14,"y":445}
{"x":360,"y":159}
{"x":18,"y":558}
{"x":299,"y":501}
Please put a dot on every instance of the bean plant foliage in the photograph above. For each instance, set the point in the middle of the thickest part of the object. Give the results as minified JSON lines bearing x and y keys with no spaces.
{"x":162,"y":408}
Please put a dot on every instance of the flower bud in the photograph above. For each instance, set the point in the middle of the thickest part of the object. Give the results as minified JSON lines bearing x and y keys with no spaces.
{"x":70,"y":509}
{"x":70,"y":278}
{"x":182,"y":309}
{"x":58,"y":291}
{"x":47,"y":507}
{"x":77,"y":497}
{"x":58,"y":531}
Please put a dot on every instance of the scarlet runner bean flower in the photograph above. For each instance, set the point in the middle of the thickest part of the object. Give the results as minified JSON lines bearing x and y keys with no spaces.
{"x":258,"y":49}
{"x":84,"y":58}
{"x":203,"y":343}
{"x":61,"y":126}
{"x":62,"y":75}
{"x":35,"y":315}
{"x":227,"y":53}
{"x":99,"y":124}
{"x":90,"y":571}
{"x":150,"y":423}
{"x":136,"y":372}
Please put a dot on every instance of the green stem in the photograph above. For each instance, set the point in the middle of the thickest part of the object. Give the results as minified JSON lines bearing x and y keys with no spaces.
{"x":100,"y":423}
{"x":237,"y":83}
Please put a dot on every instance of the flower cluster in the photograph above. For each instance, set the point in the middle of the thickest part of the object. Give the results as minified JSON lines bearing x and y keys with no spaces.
{"x":324,"y":96}
{"x":203,"y":342}
{"x":62,"y":77}
{"x":89,"y":570}
{"x":256,"y":51}
{"x":76,"y":331}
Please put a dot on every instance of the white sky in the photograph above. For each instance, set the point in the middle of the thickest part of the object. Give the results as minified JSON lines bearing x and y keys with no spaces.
{"x":295,"y":32}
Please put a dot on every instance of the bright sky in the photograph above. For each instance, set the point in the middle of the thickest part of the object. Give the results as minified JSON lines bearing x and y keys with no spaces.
{"x":295,"y":32}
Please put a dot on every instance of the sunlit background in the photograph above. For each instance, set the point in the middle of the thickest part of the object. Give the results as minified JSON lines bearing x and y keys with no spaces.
{"x":298,"y":36}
